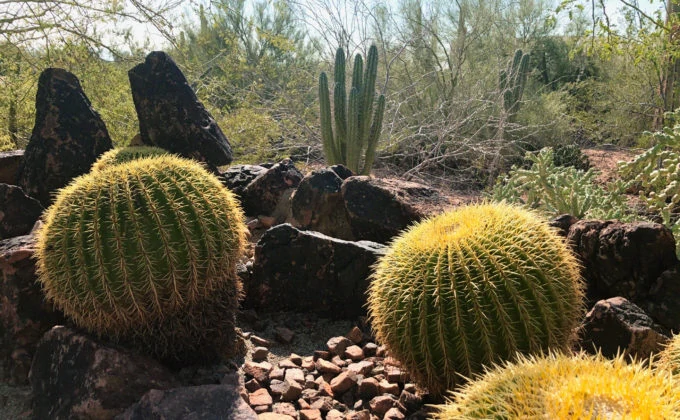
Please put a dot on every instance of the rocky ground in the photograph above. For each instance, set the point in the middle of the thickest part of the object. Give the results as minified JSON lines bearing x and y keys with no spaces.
{"x":299,"y":366}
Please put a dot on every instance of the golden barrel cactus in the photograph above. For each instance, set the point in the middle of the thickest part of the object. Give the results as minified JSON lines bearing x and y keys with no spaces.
{"x":146,"y":252}
{"x":472,"y":287}
{"x":556,"y":386}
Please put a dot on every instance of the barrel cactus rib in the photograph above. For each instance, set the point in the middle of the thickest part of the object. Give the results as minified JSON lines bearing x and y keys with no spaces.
{"x":481,"y":286}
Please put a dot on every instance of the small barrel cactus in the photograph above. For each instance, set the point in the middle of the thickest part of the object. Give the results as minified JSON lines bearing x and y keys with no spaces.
{"x":126,"y":154}
{"x":146,"y":252}
{"x":472,"y":287}
{"x":562,"y":387}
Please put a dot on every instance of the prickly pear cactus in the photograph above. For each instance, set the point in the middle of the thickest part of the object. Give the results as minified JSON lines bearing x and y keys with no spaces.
{"x":562,"y":387}
{"x":472,"y":287}
{"x":126,"y":154}
{"x":146,"y":252}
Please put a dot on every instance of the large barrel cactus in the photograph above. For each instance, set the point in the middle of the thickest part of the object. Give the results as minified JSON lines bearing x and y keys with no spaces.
{"x":145,"y":252}
{"x":669,"y":357}
{"x":126,"y":154}
{"x":561,"y":387}
{"x":472,"y":287}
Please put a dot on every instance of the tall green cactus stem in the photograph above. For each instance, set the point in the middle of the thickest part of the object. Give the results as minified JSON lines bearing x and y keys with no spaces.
{"x":512,"y":82}
{"x":146,"y":252}
{"x":126,"y":154}
{"x":357,"y":127}
{"x":473,"y":287}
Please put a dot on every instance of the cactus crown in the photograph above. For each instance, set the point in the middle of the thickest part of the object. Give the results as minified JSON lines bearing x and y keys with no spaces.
{"x":130,"y":245}
{"x":562,"y":387}
{"x":126,"y":154}
{"x":357,"y":127}
{"x":471,"y":287}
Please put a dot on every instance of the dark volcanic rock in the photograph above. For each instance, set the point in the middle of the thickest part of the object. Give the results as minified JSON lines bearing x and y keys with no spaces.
{"x":74,"y":377}
{"x":317,"y":205}
{"x":206,"y":402}
{"x":616,"y":325}
{"x":9,"y":166}
{"x":622,"y":259}
{"x":24,"y":314}
{"x":18,"y":212}
{"x":663,"y":301}
{"x":237,"y":178}
{"x":308,"y":271}
{"x":562,"y":223}
{"x":378,"y":209}
{"x":171,"y":116}
{"x":263,"y":195}
{"x":67,"y":138}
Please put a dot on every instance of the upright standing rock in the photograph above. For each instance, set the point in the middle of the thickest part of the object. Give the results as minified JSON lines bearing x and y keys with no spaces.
{"x":170,"y":115}
{"x":67,"y":138}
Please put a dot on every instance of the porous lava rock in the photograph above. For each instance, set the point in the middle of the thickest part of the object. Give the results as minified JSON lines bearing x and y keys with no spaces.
{"x":663,"y":300}
{"x":237,"y":177}
{"x":222,"y":401}
{"x":317,"y":205}
{"x":171,"y":116}
{"x":75,"y":377}
{"x":25,"y":315}
{"x":271,"y":190}
{"x":378,"y":209}
{"x":68,"y":136}
{"x":622,"y":259}
{"x":9,"y":166}
{"x":18,"y":212}
{"x":308,"y":271}
{"x":615,"y":325}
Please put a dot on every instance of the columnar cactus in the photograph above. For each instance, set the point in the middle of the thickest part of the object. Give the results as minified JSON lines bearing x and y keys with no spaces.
{"x":126,"y":154}
{"x":357,"y":127}
{"x":145,"y":252}
{"x":513,"y":80}
{"x":473,"y":287}
{"x":562,"y":387}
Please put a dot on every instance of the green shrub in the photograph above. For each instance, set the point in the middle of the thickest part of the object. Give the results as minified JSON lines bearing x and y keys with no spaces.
{"x":655,"y":173}
{"x":561,"y":387}
{"x":556,"y":190}
{"x":570,"y":155}
{"x":145,"y":252}
{"x":472,"y":287}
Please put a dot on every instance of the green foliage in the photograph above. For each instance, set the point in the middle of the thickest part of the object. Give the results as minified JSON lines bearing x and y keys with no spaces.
{"x":146,"y":252}
{"x":556,"y":386}
{"x":655,"y":173}
{"x":558,"y":190}
{"x":473,"y":287}
{"x":512,"y":81}
{"x":126,"y":154}
{"x":253,"y":135}
{"x":357,"y":128}
{"x":570,"y":155}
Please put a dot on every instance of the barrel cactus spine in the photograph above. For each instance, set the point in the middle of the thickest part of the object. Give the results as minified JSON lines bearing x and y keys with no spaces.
{"x":472,"y":287}
{"x":669,"y":358}
{"x":146,"y":252}
{"x":357,"y":126}
{"x":126,"y":154}
{"x":558,"y":386}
